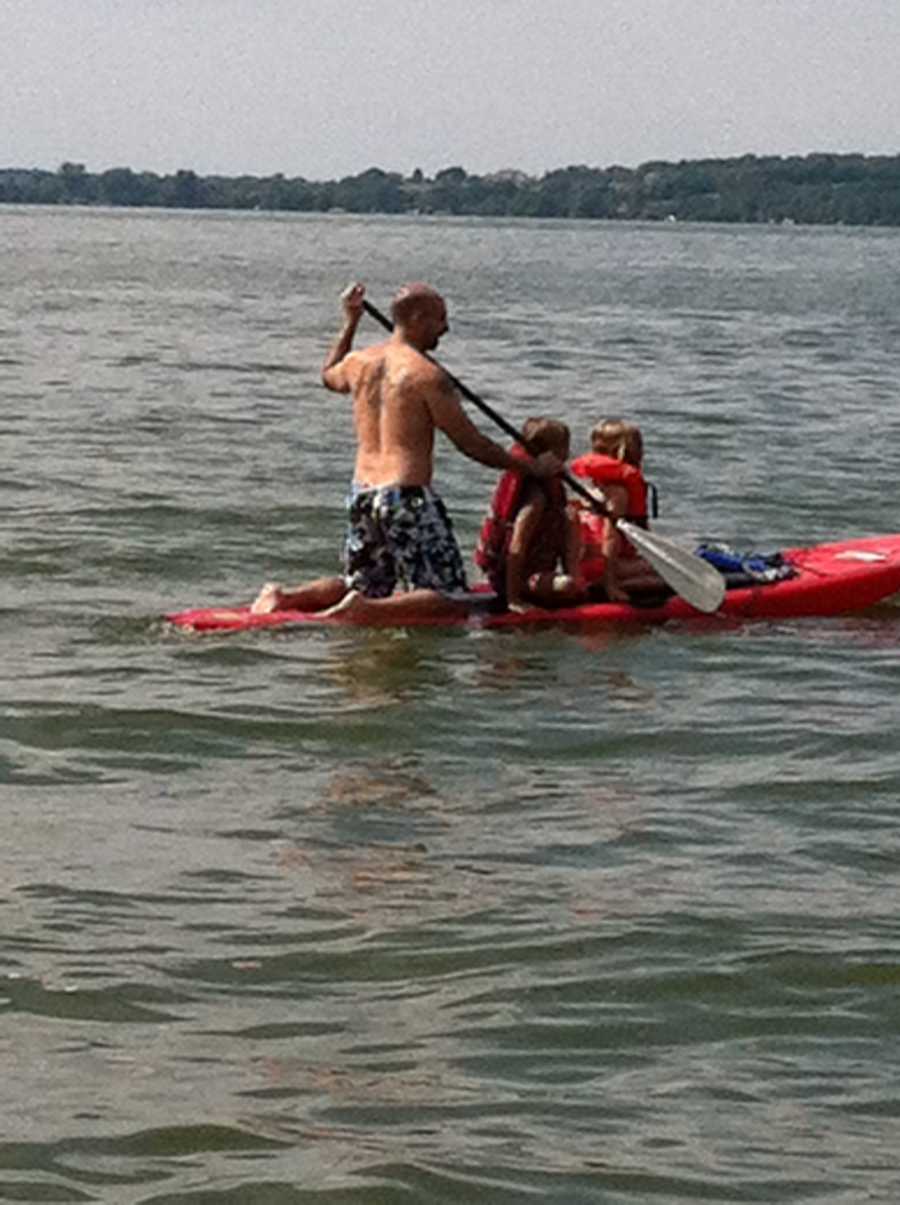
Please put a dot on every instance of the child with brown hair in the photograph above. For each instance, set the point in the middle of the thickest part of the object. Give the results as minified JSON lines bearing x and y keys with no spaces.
{"x":529,"y":546}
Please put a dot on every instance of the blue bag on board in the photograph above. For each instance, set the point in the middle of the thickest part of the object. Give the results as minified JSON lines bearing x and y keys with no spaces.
{"x":746,"y":569}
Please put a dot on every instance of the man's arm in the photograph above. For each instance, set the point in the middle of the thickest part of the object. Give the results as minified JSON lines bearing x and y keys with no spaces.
{"x":334,"y":374}
{"x":449,"y":416}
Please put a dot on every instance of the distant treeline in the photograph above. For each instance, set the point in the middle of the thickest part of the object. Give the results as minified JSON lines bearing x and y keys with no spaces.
{"x":819,"y":188}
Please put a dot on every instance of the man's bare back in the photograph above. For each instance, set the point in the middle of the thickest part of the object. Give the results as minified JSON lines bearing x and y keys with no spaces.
{"x":400,"y":396}
{"x":391,"y":385}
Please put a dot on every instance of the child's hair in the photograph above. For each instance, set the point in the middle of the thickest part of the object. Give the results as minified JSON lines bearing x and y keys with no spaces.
{"x":547,"y":435}
{"x":614,"y":437}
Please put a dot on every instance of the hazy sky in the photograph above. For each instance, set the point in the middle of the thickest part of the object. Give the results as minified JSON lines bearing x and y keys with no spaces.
{"x":325,"y":88}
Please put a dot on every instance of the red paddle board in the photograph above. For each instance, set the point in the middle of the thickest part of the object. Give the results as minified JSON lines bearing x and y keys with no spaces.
{"x":831,"y":579}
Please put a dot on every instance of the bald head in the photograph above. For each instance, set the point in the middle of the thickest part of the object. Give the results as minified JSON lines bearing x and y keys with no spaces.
{"x":414,"y":298}
{"x":419,"y":312}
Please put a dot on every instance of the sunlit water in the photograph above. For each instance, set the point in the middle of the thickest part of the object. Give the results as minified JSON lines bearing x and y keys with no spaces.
{"x":339,"y":916}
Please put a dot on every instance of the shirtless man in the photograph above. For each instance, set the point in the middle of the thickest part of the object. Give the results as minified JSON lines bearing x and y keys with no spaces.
{"x":399,"y":531}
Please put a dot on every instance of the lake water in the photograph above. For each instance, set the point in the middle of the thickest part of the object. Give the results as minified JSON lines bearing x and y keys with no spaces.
{"x":333,"y":917}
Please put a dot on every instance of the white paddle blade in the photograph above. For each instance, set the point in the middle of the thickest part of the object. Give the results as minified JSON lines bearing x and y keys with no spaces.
{"x":689,"y":576}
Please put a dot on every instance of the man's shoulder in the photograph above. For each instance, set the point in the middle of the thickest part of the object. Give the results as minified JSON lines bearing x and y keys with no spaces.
{"x":413,"y":370}
{"x":367,"y":355}
{"x":363,"y":363}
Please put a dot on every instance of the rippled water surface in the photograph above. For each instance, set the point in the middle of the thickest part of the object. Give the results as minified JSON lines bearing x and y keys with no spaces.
{"x":338,"y":916}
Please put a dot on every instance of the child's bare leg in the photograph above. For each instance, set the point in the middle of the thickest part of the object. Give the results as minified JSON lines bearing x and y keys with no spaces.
{"x":638,"y":575}
{"x":574,"y":546}
{"x":612,"y":578}
{"x":616,"y":591}
{"x":554,"y":590}
{"x":311,"y":596}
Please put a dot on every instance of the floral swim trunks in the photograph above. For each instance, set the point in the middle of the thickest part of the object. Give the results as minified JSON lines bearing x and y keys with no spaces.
{"x":401,"y":535}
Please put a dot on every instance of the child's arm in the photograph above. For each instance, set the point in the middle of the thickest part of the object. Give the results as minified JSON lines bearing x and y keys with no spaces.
{"x":520,"y":543}
{"x":616,"y":501}
{"x":573,"y":548}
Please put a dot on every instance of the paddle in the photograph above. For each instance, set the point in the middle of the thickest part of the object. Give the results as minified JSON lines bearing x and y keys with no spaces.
{"x":694,"y":579}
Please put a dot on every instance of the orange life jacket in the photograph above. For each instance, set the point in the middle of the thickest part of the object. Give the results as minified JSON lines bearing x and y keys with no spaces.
{"x":602,"y":470}
{"x":607,"y":470}
{"x":497,"y":526}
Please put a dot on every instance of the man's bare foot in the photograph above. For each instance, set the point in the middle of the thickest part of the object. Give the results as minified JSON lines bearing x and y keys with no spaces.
{"x":268,"y":599}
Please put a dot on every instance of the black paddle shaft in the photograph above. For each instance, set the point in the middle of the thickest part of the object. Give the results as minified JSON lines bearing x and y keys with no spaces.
{"x":492,"y":414}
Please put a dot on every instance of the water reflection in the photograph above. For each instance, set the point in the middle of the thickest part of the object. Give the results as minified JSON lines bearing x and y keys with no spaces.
{"x":504,"y":667}
{"x":376,"y":819}
{"x":630,"y":693}
{"x":381,"y":783}
{"x":387,"y":667}
{"x":392,"y":852}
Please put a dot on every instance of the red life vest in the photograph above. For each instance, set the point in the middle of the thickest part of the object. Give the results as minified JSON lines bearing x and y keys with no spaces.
{"x":607,"y":470}
{"x":497,"y":526}
{"x":603,"y":470}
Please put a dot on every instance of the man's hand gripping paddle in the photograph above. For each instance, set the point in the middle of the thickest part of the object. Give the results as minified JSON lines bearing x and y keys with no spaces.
{"x":694,"y":579}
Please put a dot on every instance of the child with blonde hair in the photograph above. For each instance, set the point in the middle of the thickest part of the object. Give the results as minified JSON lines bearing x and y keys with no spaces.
{"x":614,"y":465}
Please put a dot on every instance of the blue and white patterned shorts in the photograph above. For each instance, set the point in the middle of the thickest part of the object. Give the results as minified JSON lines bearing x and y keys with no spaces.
{"x":401,"y":536}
